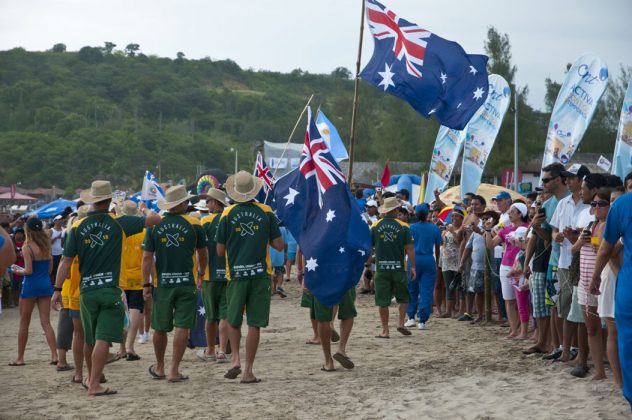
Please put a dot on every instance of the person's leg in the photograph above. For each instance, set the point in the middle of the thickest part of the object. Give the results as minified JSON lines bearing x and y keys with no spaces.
{"x":448,"y":281}
{"x":613,"y":352}
{"x":413,"y":289}
{"x":252,"y":344}
{"x":324,"y":332}
{"x":77,"y":349}
{"x":64,"y":338}
{"x":522,"y":302}
{"x":234,"y":336}
{"x":346,"y":325}
{"x":595,"y":341}
{"x":582,"y":345}
{"x":160,"y":341}
{"x":512,"y":315}
{"x":479,"y":302}
{"x":180,"y":337}
{"x":135,"y":322}
{"x":568,"y":335}
{"x":211,"y":331}
{"x":439,"y":293}
{"x":87,"y":354}
{"x":223,"y":335}
{"x":383,"y":310}
{"x":426,"y":274}
{"x":26,"y":310}
{"x":43,"y":307}
{"x":97,"y":361}
{"x":147,"y":319}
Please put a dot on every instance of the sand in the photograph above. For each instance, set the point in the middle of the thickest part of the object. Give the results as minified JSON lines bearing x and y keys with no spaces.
{"x":451,"y":370}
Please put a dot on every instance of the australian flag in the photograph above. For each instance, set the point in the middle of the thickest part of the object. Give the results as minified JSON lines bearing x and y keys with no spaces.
{"x":434,"y":75}
{"x":262,"y":171}
{"x":315,"y":204}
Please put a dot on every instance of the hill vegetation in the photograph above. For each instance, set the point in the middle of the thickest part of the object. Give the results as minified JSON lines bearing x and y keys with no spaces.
{"x":70,"y":117}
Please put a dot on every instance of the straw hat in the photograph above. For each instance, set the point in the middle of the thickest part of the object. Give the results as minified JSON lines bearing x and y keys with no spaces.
{"x":175,"y":195}
{"x":99,"y":191}
{"x":215,"y":194}
{"x":201,"y":206}
{"x":83,"y":211}
{"x":243,"y":187}
{"x":390,"y":204}
{"x":130,"y":208}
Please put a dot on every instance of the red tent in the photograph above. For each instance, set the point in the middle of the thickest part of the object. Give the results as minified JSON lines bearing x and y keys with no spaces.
{"x":17,"y":196}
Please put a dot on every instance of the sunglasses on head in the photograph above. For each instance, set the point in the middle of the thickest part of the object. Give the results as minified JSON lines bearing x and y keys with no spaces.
{"x":547,"y":180}
{"x":600,"y":203}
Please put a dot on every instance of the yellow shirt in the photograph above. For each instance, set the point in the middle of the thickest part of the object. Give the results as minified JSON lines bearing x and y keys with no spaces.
{"x":131,"y":273}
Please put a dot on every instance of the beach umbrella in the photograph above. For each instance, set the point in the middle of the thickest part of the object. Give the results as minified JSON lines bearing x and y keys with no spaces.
{"x":446,"y":214}
{"x":488,"y":191}
{"x":52,"y":209}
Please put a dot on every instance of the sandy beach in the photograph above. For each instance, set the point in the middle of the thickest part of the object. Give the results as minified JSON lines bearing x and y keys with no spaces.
{"x":452,"y":370}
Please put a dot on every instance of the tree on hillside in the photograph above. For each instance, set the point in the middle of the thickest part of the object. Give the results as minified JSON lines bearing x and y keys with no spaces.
{"x":59,"y":48}
{"x":90,"y":55}
{"x":109,"y":47}
{"x":130,"y":49}
{"x":341,"y":73}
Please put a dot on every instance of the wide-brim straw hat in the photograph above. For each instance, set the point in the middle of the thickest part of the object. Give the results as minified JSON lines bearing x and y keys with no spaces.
{"x":99,"y":191}
{"x":390,"y":204}
{"x":83,"y":211}
{"x":215,"y":194}
{"x":201,"y":206}
{"x":175,"y":195}
{"x":130,"y":208}
{"x":243,"y":187}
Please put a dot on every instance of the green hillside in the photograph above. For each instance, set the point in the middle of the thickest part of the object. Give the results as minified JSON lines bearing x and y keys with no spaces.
{"x":69,"y":117}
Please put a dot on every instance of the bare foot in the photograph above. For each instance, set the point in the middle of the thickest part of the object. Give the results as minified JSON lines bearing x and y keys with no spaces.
{"x":599,"y":377}
{"x":444,"y":315}
{"x":521,"y":337}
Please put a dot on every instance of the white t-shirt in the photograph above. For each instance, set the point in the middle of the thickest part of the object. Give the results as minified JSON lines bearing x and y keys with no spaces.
{"x":584,"y":219}
{"x":566,"y":215}
{"x":57,"y":241}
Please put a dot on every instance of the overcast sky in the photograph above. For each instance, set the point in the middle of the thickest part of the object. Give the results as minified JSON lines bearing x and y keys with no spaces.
{"x":317,"y":36}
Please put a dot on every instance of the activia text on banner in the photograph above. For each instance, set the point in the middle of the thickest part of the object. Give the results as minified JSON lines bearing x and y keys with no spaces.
{"x":623,"y":148}
{"x":481,"y":133}
{"x":574,"y":107}
{"x":444,"y":155}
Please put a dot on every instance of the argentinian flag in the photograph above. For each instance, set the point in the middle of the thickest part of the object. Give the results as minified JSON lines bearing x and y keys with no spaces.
{"x":331,"y":137}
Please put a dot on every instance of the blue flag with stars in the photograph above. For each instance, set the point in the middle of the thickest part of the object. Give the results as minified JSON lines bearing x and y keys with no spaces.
{"x":434,"y":75}
{"x":315,"y":204}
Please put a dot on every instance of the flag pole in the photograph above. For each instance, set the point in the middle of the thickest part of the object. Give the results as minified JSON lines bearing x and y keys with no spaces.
{"x":356,"y":89}
{"x":289,"y":139}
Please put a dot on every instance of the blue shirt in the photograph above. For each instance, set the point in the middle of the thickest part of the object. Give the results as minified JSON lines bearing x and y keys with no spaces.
{"x":550,"y":205}
{"x":361,"y":202}
{"x":619,"y":224}
{"x":277,"y":258}
{"x":425,"y":237}
{"x":290,"y":241}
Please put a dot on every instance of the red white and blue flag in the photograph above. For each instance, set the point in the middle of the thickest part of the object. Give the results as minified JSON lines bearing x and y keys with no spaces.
{"x":434,"y":75}
{"x":262,"y":171}
{"x":315,"y":204}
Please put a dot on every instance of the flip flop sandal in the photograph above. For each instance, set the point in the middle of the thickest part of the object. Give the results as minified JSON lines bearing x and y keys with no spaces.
{"x":221,"y":357}
{"x":344,"y":361}
{"x":76,"y":381}
{"x":16,"y":364}
{"x":180,"y":378}
{"x":53,"y":362}
{"x":131,"y":356}
{"x":64,"y":368}
{"x":382,"y":336}
{"x":233,"y":373}
{"x":84,"y":383}
{"x":254,"y":381}
{"x":154,"y":375}
{"x":404,"y":330}
{"x":312,"y":343}
{"x":324,"y":369}
{"x":107,"y":391}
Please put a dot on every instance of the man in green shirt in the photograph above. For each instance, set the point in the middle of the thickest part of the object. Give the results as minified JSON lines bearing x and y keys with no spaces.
{"x":214,"y":286}
{"x":173,"y":242}
{"x":244,"y":232}
{"x":97,"y":241}
{"x":392,"y":241}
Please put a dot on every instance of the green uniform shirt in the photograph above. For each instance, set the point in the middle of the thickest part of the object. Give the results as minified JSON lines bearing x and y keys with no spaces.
{"x":216,"y":264}
{"x":97,"y":241}
{"x":174,"y":241}
{"x":389,"y":236}
{"x":246,"y":229}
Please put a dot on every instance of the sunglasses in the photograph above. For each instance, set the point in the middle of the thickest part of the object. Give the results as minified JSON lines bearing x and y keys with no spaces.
{"x":600,"y":203}
{"x":547,"y":180}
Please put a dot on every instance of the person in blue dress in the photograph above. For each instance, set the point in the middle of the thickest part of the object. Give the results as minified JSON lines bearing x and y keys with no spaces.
{"x":36,"y":287}
{"x":619,"y":227}
{"x":427,"y":240}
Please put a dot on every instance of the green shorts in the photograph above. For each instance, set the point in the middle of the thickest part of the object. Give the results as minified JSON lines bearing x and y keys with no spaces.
{"x":346,"y":308}
{"x":253,"y":295}
{"x":174,"y":307}
{"x":214,"y":297}
{"x":102,"y":315}
{"x":389,"y":284}
{"x":306,"y":299}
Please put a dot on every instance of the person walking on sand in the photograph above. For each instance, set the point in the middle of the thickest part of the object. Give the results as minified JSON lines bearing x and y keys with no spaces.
{"x":98,"y":243}
{"x":392,"y":242}
{"x":244,"y":232}
{"x":174,"y":242}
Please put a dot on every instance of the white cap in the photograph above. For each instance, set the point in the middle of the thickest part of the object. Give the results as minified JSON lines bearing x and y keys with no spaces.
{"x":522,"y":208}
{"x":57,"y":218}
{"x":371,"y":203}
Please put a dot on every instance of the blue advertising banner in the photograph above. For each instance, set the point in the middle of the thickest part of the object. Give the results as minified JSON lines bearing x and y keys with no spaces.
{"x":481,"y":133}
{"x":623,"y":148}
{"x":574,"y":107}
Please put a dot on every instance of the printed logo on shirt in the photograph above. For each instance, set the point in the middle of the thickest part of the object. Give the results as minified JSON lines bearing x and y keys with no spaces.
{"x":247,"y":229}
